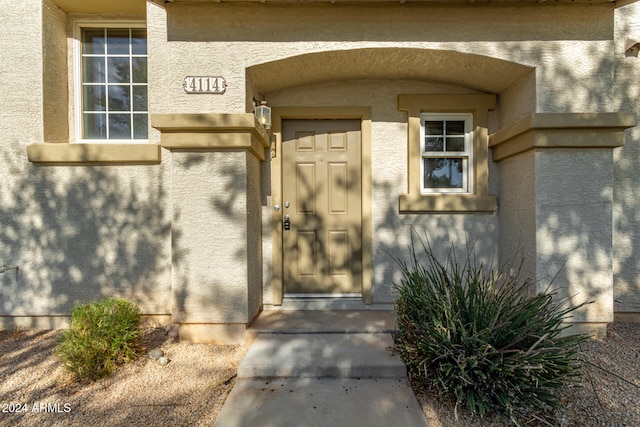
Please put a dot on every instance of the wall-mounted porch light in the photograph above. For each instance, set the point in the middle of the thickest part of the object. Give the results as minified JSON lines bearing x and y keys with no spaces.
{"x":263,"y":114}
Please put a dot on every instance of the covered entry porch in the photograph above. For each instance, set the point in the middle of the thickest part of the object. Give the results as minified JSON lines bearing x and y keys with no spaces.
{"x":519,"y":157}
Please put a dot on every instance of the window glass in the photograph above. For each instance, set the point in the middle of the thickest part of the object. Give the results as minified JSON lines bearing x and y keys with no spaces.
{"x":443,"y":173}
{"x":119,"y":98}
{"x":93,"y":98}
{"x":93,"y":70}
{"x":93,"y":42}
{"x":455,"y":127}
{"x":139,"y":98}
{"x":434,"y":144}
{"x":139,"y":69}
{"x":118,"y":41}
{"x":446,"y":152}
{"x":140,"y":126}
{"x":95,"y":126}
{"x":455,"y":144}
{"x":119,"y":70}
{"x":120,"y":126}
{"x":434,"y":127}
{"x":114,"y":83}
{"x":139,"y":41}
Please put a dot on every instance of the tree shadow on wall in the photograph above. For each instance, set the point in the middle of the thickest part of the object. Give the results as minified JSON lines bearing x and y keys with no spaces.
{"x":577,"y":249}
{"x":80,"y":233}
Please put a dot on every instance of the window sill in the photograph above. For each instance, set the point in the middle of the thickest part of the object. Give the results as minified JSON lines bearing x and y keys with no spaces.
{"x":424,"y":203}
{"x":94,"y":153}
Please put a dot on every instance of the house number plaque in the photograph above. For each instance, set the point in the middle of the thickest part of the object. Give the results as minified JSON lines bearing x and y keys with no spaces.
{"x":205,"y":84}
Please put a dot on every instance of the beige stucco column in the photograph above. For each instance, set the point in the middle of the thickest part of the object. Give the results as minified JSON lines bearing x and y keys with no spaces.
{"x":556,"y":197}
{"x":216,"y":245}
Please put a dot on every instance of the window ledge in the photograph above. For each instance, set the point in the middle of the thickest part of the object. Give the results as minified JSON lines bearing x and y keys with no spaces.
{"x":94,"y":153}
{"x":448,"y":203}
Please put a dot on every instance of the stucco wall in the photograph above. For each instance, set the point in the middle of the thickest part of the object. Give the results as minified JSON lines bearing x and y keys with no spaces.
{"x":627,"y":164}
{"x":20,"y":123}
{"x":76,"y":232}
{"x":570,"y":47}
{"x":81,"y":233}
{"x":21,"y":47}
{"x":517,"y":213}
{"x":573,"y":222}
{"x":209,"y":241}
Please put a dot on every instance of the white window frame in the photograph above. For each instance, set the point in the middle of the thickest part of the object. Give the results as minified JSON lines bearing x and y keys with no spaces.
{"x":77,"y":76}
{"x":466,"y":155}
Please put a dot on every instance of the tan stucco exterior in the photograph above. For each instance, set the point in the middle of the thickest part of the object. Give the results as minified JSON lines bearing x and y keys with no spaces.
{"x":626,"y":266}
{"x":184,"y":224}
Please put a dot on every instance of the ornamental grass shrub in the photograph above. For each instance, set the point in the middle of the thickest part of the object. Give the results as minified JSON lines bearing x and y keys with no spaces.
{"x":101,"y":336}
{"x":476,"y":336}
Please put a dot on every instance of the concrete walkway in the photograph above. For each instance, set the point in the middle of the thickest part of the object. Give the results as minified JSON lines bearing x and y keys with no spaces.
{"x":322,"y":369}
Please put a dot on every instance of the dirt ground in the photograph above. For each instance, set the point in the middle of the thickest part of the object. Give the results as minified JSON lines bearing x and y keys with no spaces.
{"x":191,"y":389}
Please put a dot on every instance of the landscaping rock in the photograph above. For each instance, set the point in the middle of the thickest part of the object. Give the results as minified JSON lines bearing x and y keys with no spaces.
{"x":156,"y":353}
{"x":174,"y":331}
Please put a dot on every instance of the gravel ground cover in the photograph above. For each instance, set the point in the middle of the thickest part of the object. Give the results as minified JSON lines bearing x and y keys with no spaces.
{"x":190,"y":390}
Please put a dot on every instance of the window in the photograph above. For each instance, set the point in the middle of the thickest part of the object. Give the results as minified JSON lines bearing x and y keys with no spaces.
{"x":446,"y":152}
{"x":110,"y":98}
{"x":113,"y":84}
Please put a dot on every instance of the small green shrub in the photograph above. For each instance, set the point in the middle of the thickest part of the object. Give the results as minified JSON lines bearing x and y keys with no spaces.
{"x":101,"y":336}
{"x":476,"y":337}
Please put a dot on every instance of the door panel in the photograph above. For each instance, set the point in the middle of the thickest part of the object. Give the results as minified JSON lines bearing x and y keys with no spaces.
{"x":305,"y":188}
{"x":339,"y":254}
{"x":338,"y":190}
{"x":307,"y":250}
{"x":322,"y":250}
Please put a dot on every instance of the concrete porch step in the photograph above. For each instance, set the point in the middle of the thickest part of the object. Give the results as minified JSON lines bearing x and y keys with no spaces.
{"x":319,"y":369}
{"x":323,"y":321}
{"x":322,"y":355}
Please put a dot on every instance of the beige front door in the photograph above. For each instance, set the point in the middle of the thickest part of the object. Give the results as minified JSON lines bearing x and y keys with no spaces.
{"x":322,"y":206}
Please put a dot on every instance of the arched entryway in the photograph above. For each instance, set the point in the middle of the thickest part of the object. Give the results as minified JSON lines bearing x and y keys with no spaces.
{"x":364,"y":85}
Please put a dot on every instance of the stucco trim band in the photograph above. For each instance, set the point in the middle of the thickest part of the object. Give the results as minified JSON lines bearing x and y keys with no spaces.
{"x":99,"y":6}
{"x":564,"y":130}
{"x":94,"y":153}
{"x":212,"y":131}
{"x":409,"y":203}
{"x":212,"y":333}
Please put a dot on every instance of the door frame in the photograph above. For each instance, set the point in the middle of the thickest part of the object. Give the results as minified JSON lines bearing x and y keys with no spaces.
{"x":320,"y":113}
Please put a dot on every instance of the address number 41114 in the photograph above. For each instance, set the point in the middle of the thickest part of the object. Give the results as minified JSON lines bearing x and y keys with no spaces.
{"x":205,"y":84}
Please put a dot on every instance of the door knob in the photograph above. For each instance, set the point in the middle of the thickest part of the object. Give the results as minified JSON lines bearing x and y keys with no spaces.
{"x":287,"y":204}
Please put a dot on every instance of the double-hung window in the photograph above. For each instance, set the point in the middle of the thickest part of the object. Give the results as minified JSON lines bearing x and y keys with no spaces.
{"x":113,"y":83}
{"x":446,"y":153}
